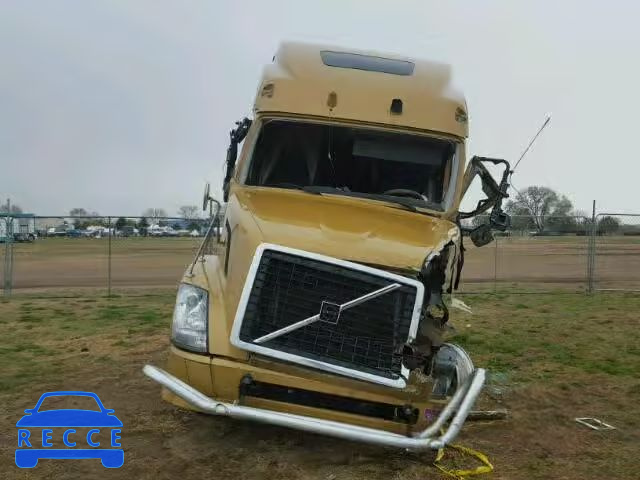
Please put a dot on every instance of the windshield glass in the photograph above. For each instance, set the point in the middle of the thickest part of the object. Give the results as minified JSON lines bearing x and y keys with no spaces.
{"x":353,"y":161}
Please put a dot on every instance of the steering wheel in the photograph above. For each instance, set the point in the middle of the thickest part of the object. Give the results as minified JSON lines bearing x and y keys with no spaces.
{"x":404,"y":192}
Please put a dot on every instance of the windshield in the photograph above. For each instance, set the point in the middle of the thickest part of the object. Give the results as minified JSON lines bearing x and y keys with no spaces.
{"x":353,"y":161}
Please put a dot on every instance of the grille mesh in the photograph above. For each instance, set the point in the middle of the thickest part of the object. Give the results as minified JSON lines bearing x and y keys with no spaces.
{"x":289,"y":288}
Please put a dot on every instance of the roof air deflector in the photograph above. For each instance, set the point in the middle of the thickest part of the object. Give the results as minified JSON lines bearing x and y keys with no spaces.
{"x":369,"y":63}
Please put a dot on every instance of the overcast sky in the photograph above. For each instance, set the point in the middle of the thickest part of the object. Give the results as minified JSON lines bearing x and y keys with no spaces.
{"x":117,"y":106}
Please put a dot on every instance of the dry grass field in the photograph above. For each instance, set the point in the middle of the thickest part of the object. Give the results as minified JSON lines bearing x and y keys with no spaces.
{"x":551,"y":358}
{"x":515,"y":263}
{"x":553,"y":263}
{"x":63,"y":263}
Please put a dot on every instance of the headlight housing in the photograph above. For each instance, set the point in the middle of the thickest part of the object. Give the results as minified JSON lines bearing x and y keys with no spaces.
{"x":190,"y":319}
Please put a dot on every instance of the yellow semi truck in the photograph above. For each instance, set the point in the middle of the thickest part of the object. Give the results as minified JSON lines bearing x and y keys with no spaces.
{"x":324,"y":303}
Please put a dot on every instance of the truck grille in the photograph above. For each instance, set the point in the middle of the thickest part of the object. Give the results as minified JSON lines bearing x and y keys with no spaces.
{"x":366,"y":338}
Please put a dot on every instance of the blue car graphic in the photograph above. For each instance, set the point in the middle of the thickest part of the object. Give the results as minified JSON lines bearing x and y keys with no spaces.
{"x":28,"y":452}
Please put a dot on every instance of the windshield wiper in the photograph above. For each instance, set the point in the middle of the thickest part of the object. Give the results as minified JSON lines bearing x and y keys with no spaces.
{"x":293,"y":186}
{"x":324,"y":189}
{"x":318,"y":189}
{"x":397,"y":201}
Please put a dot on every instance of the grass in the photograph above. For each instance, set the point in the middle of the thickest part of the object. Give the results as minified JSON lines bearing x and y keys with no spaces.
{"x":43,"y":335}
{"x":550,"y":358}
{"x":566,"y":333}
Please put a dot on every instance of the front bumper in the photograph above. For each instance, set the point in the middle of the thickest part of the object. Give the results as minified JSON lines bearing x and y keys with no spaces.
{"x":430,"y":438}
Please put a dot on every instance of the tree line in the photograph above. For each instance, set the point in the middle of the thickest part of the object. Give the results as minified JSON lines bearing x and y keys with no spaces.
{"x":536,"y":208}
{"x":150,"y":216}
{"x":186,"y":212}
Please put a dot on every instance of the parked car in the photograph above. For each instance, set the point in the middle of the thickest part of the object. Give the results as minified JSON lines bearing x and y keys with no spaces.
{"x":59,"y":231}
{"x":157,"y":231}
{"x":24,"y":237}
{"x":128,"y":231}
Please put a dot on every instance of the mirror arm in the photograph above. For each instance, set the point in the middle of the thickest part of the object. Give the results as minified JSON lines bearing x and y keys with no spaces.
{"x":496,"y":193}
{"x":212,"y":225}
{"x":499,"y":219}
{"x":490,"y":187}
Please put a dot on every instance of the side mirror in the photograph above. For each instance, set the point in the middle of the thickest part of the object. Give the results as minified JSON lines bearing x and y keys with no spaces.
{"x":499,"y":220}
{"x":29,"y":411}
{"x":481,"y":235}
{"x":206,"y":199}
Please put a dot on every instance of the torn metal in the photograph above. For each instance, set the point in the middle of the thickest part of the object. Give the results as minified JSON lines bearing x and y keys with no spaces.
{"x":428,"y":353}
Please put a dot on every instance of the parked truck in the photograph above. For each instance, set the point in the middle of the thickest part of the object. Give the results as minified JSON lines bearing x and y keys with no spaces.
{"x":324,"y":304}
{"x":21,"y":226}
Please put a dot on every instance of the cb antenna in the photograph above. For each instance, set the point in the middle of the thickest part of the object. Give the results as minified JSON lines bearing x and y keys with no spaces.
{"x":546,"y":122}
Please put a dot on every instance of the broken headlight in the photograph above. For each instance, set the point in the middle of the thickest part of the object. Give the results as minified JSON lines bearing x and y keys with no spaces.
{"x":190,"y":319}
{"x":450,"y":370}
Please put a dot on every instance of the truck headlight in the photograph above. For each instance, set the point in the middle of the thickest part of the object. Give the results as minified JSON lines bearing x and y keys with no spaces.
{"x":190,"y":319}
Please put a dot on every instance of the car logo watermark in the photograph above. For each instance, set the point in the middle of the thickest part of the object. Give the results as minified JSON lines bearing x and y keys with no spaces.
{"x":85,"y":433}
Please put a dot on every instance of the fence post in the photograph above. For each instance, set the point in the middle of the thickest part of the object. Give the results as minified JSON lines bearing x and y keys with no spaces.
{"x":109,"y":259}
{"x":8,"y":255}
{"x":591,"y":251}
{"x":495,"y":265}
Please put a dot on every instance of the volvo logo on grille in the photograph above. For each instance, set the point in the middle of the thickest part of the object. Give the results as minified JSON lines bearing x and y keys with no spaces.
{"x":329,"y":312}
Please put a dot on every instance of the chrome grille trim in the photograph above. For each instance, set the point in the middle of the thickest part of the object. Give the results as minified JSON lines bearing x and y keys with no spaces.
{"x":309,"y":362}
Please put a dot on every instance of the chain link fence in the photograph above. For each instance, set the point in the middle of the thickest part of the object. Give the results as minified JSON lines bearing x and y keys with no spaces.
{"x":127,"y":255}
{"x":526,"y":258}
{"x":6,"y":267}
{"x":616,"y":253}
{"x":73,"y":255}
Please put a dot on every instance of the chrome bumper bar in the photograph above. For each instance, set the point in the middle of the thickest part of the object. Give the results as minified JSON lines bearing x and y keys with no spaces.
{"x":460,"y":403}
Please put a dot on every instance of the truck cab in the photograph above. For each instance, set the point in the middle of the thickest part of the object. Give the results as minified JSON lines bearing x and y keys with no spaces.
{"x":323,"y":304}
